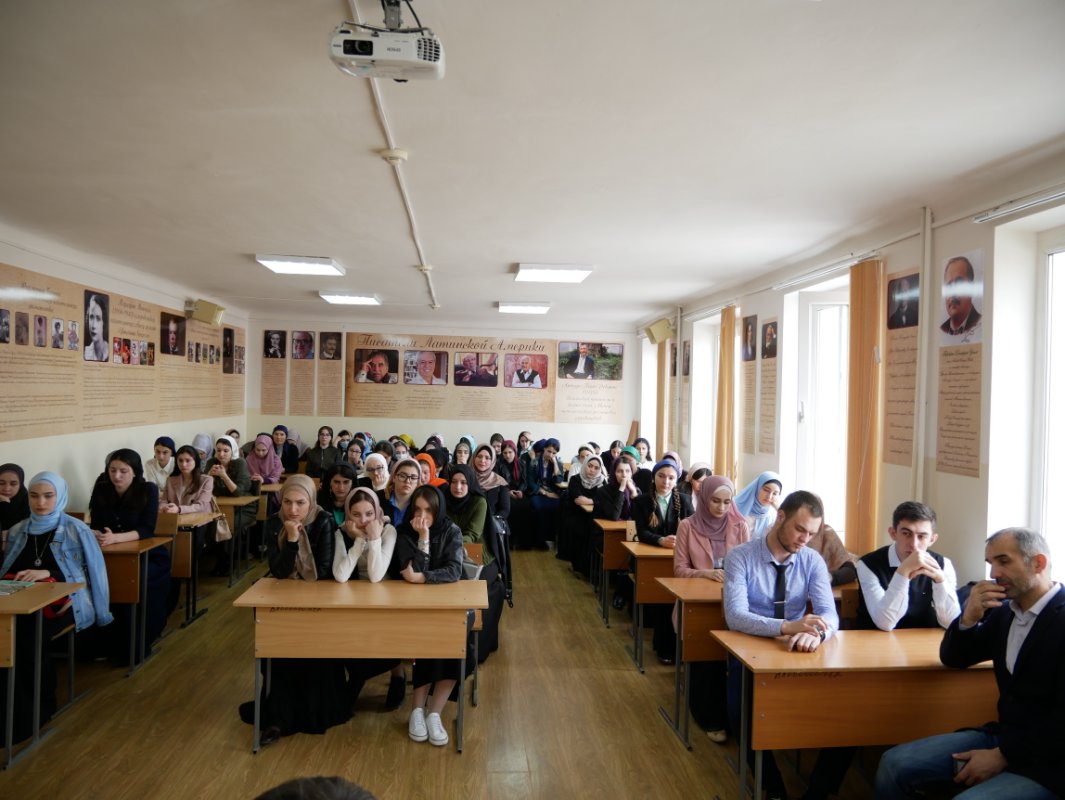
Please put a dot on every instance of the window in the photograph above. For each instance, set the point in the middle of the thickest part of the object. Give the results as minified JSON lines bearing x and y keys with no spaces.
{"x":1053,"y":471}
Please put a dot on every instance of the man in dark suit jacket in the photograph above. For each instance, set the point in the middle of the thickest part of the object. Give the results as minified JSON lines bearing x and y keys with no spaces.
{"x":1016,"y":619}
{"x":581,"y":365}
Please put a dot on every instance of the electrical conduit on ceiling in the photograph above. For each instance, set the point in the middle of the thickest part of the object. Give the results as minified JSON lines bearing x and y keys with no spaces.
{"x":395,"y":158}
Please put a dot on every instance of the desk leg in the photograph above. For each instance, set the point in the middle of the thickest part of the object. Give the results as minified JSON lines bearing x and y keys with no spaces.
{"x":39,"y":656}
{"x":604,"y":589}
{"x":674,"y":722}
{"x":142,"y":606}
{"x":192,"y":587}
{"x":9,"y":716}
{"x":255,"y":722}
{"x":462,"y":704}
{"x":637,"y":644}
{"x":745,"y":731}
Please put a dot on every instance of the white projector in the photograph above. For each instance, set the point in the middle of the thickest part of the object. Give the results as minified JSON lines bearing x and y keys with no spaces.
{"x":400,"y":55}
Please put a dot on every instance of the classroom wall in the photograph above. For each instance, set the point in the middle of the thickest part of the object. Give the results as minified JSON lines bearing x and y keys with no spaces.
{"x":79,"y":458}
{"x":569,"y":435}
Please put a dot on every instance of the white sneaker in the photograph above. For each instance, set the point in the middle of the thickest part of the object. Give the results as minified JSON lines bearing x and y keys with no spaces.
{"x":416,"y":727}
{"x":437,"y":734}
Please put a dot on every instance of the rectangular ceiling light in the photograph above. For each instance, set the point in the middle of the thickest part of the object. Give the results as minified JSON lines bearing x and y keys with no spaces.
{"x":300,"y":265}
{"x":523,"y":308}
{"x":553,"y":273}
{"x":351,"y":299}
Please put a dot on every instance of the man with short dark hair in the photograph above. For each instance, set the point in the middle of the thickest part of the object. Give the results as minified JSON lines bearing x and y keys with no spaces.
{"x":768,"y":583}
{"x":905,"y":584}
{"x":375,"y":369}
{"x":1016,"y":619}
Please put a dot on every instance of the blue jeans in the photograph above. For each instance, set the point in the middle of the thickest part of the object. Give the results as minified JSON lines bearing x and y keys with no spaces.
{"x":905,"y":768}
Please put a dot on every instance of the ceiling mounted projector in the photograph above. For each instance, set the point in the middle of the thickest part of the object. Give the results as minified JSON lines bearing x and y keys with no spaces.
{"x":368,"y":52}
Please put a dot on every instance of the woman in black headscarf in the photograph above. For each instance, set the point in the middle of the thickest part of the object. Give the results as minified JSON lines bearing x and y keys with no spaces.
{"x":124,"y":507}
{"x":14,"y":500}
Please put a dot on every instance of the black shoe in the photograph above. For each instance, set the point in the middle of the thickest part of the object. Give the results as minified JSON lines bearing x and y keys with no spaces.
{"x":397,"y":690}
{"x":269,"y":736}
{"x":667,"y":660}
{"x":619,"y":602}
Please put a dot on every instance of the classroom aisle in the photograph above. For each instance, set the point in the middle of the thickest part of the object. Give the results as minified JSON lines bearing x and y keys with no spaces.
{"x":563,"y":713}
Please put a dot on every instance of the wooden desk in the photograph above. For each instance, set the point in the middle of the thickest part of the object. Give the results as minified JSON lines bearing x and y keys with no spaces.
{"x":360,"y":619}
{"x":614,"y":556}
{"x":184,"y":563}
{"x":699,"y":611}
{"x":229,"y":505}
{"x":265,"y":490}
{"x":650,"y":562}
{"x":127,"y":575}
{"x":30,"y":600}
{"x":807,"y":700}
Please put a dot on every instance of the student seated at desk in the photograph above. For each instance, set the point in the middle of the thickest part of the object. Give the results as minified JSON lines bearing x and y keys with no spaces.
{"x":123,"y":508}
{"x":905,"y":584}
{"x":657,"y":515}
{"x":1017,"y":620}
{"x":264,"y":465}
{"x":495,"y":488}
{"x":50,"y":546}
{"x":578,"y":505}
{"x":161,"y":466}
{"x":323,"y":455}
{"x":188,"y":491}
{"x":376,"y":476}
{"x":545,"y":481}
{"x":406,"y":475}
{"x":768,"y":583}
{"x":14,"y":499}
{"x":363,"y":547}
{"x":703,"y":541}
{"x":231,"y":479}
{"x":429,"y":550}
{"x":286,"y":449}
{"x":306,"y":695}
{"x":697,"y":473}
{"x":758,"y":501}
{"x":336,"y":485}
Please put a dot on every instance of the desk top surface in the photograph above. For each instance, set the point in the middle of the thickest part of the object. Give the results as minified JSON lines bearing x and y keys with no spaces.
{"x":641,"y":550}
{"x":847,"y":650}
{"x":241,"y":500}
{"x":611,"y":524}
{"x":364,"y":594}
{"x":270,"y":487}
{"x":693,"y":590}
{"x":135,"y":547}
{"x":191,"y":519}
{"x":35,"y":597}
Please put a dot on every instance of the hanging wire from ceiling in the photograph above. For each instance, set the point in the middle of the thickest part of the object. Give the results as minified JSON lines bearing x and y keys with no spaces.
{"x":396,"y":163}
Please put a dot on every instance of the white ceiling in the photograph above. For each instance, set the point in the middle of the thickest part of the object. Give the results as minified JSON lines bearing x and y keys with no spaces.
{"x":677,"y":146}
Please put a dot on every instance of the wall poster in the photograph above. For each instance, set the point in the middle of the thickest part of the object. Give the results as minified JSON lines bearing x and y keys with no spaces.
{"x":900,"y":367}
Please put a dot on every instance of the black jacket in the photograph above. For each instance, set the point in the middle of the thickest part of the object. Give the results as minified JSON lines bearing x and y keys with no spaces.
{"x":282,"y":557}
{"x":646,"y":504}
{"x":1031,"y":703}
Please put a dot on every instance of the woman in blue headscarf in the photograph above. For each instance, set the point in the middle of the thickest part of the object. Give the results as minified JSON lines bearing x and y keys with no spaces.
{"x":50,"y":546}
{"x":757,"y":502}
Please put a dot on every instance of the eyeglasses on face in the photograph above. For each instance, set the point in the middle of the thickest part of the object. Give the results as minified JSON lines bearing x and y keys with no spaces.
{"x":406,"y":477}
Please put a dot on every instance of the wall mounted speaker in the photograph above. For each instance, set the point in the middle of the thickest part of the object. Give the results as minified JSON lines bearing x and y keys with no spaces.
{"x":659,"y":331}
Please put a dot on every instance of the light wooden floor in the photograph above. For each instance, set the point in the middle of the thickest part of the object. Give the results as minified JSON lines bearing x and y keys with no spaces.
{"x":563,"y":713}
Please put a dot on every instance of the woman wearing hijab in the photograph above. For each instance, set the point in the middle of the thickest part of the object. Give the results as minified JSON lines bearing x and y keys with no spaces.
{"x":123,"y":508}
{"x":14,"y":499}
{"x":575,"y":535}
{"x":429,"y":550}
{"x":495,"y":488}
{"x":363,"y":547}
{"x":657,"y":515}
{"x":161,"y":466}
{"x":758,"y":502}
{"x":204,"y":448}
{"x":231,"y":479}
{"x":286,"y":449}
{"x":306,"y":695}
{"x":376,"y":476}
{"x":689,"y":484}
{"x":427,"y":466}
{"x":544,"y":484}
{"x":703,"y":540}
{"x":615,"y":500}
{"x":462,"y":452}
{"x":264,"y":464}
{"x":49,"y":545}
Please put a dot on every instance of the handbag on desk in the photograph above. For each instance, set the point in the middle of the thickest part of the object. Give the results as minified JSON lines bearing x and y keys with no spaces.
{"x":222,"y":532}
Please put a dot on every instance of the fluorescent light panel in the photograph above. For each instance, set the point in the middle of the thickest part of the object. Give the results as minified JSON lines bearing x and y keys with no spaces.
{"x":552,"y":273}
{"x":351,"y":299}
{"x":300,"y":265}
{"x":523,"y":308}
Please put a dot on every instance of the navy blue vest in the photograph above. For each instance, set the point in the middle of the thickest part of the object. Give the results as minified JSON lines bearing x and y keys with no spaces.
{"x":919,"y":612}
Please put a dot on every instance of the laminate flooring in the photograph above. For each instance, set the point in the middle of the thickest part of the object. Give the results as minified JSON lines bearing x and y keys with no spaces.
{"x":563,"y":713}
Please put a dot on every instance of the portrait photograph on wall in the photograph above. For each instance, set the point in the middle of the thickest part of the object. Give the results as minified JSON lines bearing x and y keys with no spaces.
{"x":96,"y":322}
{"x":425,"y":367}
{"x":329,"y":346}
{"x":274,"y":344}
{"x":172,"y":334}
{"x":525,"y":371}
{"x":590,"y":361}
{"x":22,"y":328}
{"x":302,"y":345}
{"x":903,"y":297}
{"x":5,"y":326}
{"x":376,"y":366}
{"x":769,"y":340}
{"x":476,"y":369}
{"x":750,"y":338}
{"x":963,"y":297}
{"x":73,"y":335}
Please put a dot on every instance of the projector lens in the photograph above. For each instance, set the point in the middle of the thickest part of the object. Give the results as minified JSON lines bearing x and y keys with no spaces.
{"x":358,"y":47}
